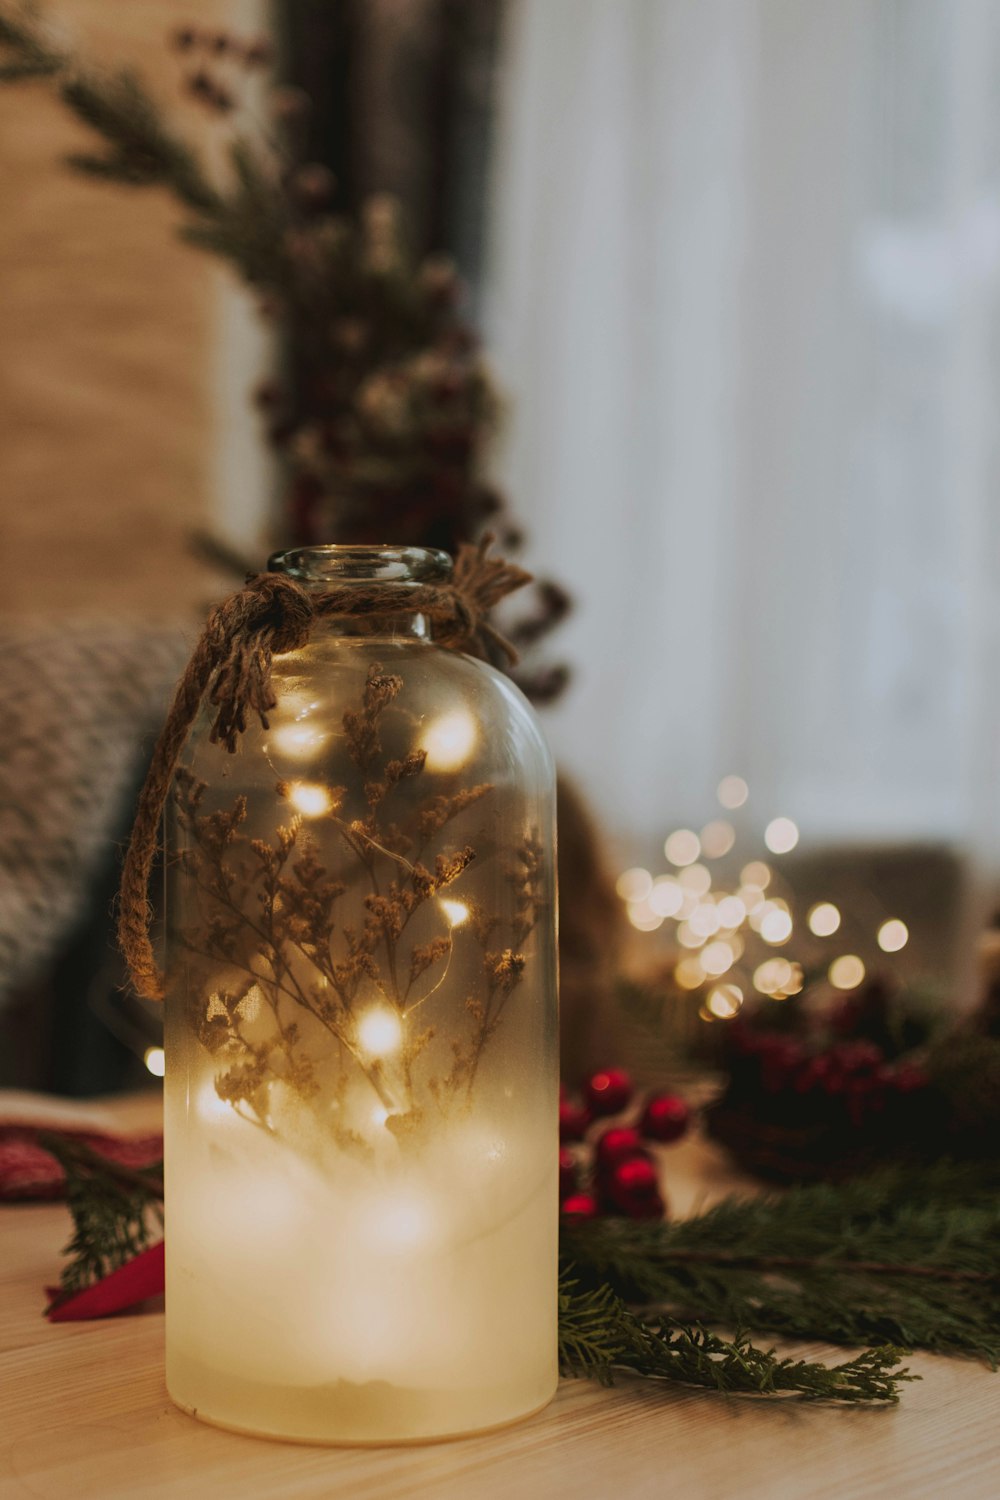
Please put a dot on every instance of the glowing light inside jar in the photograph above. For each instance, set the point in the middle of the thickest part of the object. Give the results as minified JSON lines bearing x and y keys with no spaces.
{"x":456,"y":912}
{"x":310,"y":798}
{"x":449,"y":740}
{"x":380,"y":1031}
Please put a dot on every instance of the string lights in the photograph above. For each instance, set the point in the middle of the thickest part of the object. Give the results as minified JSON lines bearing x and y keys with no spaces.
{"x":723,"y":934}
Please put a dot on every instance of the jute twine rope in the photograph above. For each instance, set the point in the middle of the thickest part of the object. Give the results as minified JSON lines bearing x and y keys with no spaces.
{"x":231,"y":668}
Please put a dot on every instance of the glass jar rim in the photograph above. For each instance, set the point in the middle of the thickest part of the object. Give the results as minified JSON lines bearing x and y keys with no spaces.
{"x":337,"y":563}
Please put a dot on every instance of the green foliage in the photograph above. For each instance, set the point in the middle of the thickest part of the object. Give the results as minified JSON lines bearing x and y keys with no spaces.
{"x":114,"y":1209}
{"x":599,"y":1334}
{"x":908,"y":1256}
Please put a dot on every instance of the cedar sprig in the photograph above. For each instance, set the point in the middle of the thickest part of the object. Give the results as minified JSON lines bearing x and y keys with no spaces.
{"x":907,"y":1256}
{"x":114,"y":1210}
{"x":599,"y":1336}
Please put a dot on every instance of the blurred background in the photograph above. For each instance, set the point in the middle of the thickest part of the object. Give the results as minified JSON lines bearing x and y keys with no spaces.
{"x":734,"y":266}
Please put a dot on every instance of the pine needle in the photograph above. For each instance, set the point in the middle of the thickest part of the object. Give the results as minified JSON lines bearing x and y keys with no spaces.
{"x":908,"y":1257}
{"x":114,"y":1210}
{"x":599,"y":1334}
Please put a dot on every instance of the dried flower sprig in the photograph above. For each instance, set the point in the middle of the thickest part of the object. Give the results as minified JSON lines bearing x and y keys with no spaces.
{"x":271,"y":915}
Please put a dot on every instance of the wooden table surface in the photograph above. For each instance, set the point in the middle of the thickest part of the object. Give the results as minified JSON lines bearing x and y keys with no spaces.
{"x":84,"y":1415}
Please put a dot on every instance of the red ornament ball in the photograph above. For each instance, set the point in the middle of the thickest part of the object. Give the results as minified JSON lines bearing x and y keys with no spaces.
{"x":666,"y":1118}
{"x":580,"y":1206}
{"x":573,"y":1121}
{"x":609,"y":1092}
{"x":617,"y":1145}
{"x":567,"y":1174}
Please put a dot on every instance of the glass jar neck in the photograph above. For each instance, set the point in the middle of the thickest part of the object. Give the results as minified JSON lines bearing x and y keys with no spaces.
{"x":401,"y":569}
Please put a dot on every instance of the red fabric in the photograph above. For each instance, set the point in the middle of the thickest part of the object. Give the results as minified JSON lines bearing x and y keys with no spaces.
{"x":27,"y":1170}
{"x":135,"y":1281}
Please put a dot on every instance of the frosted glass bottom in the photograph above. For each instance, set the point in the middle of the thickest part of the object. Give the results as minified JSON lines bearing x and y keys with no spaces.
{"x":343,"y":1413}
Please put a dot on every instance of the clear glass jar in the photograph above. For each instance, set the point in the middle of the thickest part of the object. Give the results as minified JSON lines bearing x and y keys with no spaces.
{"x":361,"y":1034}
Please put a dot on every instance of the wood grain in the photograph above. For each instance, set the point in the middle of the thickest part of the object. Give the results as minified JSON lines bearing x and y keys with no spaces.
{"x":84,"y":1415}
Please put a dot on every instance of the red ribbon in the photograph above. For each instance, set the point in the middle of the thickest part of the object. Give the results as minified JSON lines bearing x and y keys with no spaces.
{"x":134,"y":1282}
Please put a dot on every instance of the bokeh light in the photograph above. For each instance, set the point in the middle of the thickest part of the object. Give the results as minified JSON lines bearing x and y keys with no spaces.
{"x":756,"y":873}
{"x":156,"y":1061}
{"x":724,"y":1001}
{"x":696,"y":880}
{"x":667,"y":897}
{"x":682,"y":847}
{"x":846,"y":972}
{"x":776,"y":926}
{"x":717,"y":838}
{"x":732,"y":791}
{"x":893,"y":935}
{"x":781,"y":835}
{"x":634,"y":884}
{"x":823,"y":919}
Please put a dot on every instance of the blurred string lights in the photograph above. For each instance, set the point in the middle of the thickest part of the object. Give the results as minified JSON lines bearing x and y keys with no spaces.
{"x":723,"y":934}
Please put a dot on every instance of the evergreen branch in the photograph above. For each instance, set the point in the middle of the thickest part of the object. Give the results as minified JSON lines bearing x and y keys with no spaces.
{"x":112,"y":1208}
{"x":598,"y":1335}
{"x":908,"y":1256}
{"x":143,"y":151}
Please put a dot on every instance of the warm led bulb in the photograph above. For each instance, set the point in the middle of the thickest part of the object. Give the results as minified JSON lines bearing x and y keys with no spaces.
{"x":781,"y":835}
{"x":380,"y":1031}
{"x":846,"y":972}
{"x":732,"y":791}
{"x":456,"y":912}
{"x":449,"y":740}
{"x":310,"y":798}
{"x":682,"y":847}
{"x":823,"y":919}
{"x":155,"y":1060}
{"x":296,"y":741}
{"x":893,"y":935}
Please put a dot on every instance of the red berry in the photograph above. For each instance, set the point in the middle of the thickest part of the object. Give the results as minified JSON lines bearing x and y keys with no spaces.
{"x":666,"y":1118}
{"x":580,"y":1206}
{"x":617,"y":1145}
{"x":637,"y":1175}
{"x":609,"y":1092}
{"x":567,"y":1174}
{"x":635,"y":1190}
{"x":573,"y":1121}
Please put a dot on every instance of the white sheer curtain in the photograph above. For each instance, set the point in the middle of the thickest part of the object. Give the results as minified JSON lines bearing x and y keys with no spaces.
{"x":744,"y":298}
